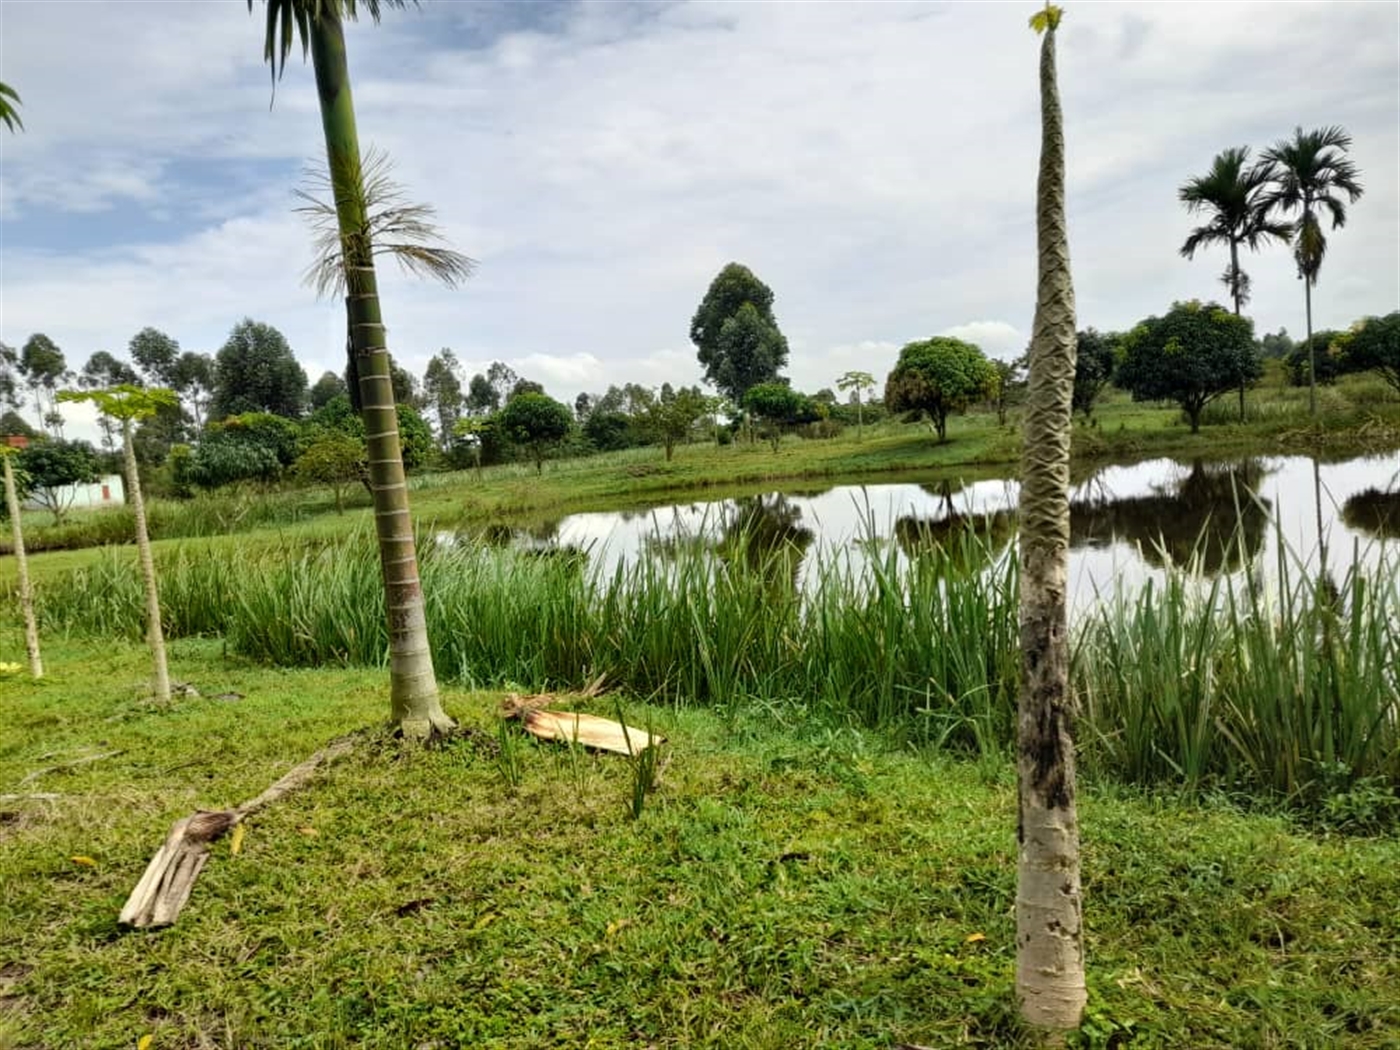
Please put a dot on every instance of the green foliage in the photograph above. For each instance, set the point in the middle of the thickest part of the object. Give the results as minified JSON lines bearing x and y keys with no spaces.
{"x":670,"y":415}
{"x":127,"y":401}
{"x":255,"y":371}
{"x":536,"y":420}
{"x":104,"y":370}
{"x":156,"y":354}
{"x":332,"y":458}
{"x":9,"y":108}
{"x":51,"y":466}
{"x":1275,"y":344}
{"x":328,"y":386}
{"x":1374,"y":344}
{"x":1313,"y":174}
{"x":609,"y":431}
{"x":255,"y":446}
{"x":442,"y":391}
{"x":1191,"y":355}
{"x":736,"y":335}
{"x":938,"y":376}
{"x":1328,"y":359}
{"x":1047,"y":20}
{"x":1095,"y":361}
{"x":1235,"y":197}
{"x":779,"y":408}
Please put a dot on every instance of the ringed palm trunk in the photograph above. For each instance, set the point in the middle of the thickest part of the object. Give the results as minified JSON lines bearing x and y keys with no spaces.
{"x":155,"y":634}
{"x":26,"y":593}
{"x":415,"y":706}
{"x":1049,"y":937}
{"x":1235,"y":293}
{"x":1312,"y":356}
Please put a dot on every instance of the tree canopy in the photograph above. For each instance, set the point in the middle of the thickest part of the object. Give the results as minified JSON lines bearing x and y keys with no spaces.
{"x":779,"y":408}
{"x":255,"y":371}
{"x":1094,"y":364}
{"x":536,"y":420}
{"x":1191,"y":355}
{"x":737,"y":337}
{"x":51,"y":467}
{"x":1375,"y":344}
{"x":938,"y":376}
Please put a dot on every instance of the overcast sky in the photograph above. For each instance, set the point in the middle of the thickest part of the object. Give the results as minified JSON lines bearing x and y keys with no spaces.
{"x":875,"y":164}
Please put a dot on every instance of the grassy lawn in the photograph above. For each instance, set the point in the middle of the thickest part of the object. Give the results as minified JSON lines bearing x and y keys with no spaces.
{"x":788,"y":885}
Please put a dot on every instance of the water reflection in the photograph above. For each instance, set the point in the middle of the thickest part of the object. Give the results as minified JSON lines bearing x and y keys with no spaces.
{"x":1374,"y":512}
{"x":1214,"y":516}
{"x":1128,"y":522}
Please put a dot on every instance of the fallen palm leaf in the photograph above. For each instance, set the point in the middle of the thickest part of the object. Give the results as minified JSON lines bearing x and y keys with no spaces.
{"x":515,"y":704}
{"x":86,"y":862}
{"x":602,"y":734}
{"x":169,"y":878}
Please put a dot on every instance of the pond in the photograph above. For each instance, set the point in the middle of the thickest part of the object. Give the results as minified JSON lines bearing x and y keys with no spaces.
{"x":1127,"y":523}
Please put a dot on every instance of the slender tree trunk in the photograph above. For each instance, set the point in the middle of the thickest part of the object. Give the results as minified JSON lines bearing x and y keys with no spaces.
{"x":1312,"y":357}
{"x":860,"y":418}
{"x":414,"y":702}
{"x":155,"y":634}
{"x":1235,"y":292}
{"x":26,"y":593}
{"x":1049,"y":935}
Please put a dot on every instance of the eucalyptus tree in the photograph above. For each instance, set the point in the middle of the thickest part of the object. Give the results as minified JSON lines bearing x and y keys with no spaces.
{"x":1049,"y":932}
{"x":858,"y":383}
{"x":127,"y":403}
{"x":9,"y":108}
{"x":1233,"y":197}
{"x":319,"y":25}
{"x":1312,"y":175}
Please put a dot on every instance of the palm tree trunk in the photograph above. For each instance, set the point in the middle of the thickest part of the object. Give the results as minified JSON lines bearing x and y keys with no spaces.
{"x":1312,"y":359}
{"x":26,"y":593}
{"x":1049,"y":937}
{"x":1235,"y":292}
{"x":155,"y":634}
{"x":414,"y":702}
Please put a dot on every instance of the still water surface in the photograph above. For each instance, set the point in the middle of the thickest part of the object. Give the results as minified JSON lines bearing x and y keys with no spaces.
{"x":1127,"y":522}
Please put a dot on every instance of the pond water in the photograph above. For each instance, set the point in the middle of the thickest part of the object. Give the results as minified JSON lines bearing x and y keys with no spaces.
{"x":1127,"y":523}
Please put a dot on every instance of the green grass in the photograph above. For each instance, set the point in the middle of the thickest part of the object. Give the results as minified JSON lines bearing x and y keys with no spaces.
{"x":787,"y":884}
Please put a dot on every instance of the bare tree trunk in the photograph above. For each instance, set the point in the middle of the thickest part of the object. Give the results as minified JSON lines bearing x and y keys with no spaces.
{"x":414,"y":702}
{"x":26,"y":593}
{"x":1049,"y":935}
{"x":1312,"y":357}
{"x":155,"y":634}
{"x":1235,"y":292}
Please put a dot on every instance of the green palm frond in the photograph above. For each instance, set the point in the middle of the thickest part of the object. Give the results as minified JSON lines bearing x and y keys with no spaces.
{"x":393,"y":226}
{"x":1049,"y":18}
{"x":1313,"y":174}
{"x":9,"y":112}
{"x":290,"y":21}
{"x":1234,"y":194}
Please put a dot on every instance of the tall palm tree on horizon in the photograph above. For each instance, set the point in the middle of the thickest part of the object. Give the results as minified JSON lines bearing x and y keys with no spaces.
{"x":1312,"y":174}
{"x":319,"y":25}
{"x":1232,"y":195}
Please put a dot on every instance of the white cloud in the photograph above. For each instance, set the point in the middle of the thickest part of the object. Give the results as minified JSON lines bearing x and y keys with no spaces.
{"x":874,"y":164}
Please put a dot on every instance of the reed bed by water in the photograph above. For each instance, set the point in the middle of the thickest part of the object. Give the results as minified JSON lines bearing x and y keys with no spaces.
{"x":1288,"y":688}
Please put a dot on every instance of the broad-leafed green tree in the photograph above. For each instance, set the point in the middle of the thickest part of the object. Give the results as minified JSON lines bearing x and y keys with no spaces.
{"x":319,"y":25}
{"x":128,"y":403}
{"x":536,"y":420}
{"x":937,"y":376}
{"x":1049,"y":907}
{"x":1311,"y":176}
{"x":1233,"y":198}
{"x":735,"y":333}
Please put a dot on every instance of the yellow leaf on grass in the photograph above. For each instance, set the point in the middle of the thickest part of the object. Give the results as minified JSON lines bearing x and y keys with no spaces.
{"x":236,"y":843}
{"x":144,"y":1043}
{"x":617,"y":926}
{"x":86,"y":862}
{"x":973,"y":938}
{"x":308,"y":831}
{"x":485,"y":921}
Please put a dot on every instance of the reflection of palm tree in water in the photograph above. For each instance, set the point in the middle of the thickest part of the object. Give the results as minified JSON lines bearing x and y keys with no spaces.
{"x":1213,"y":519}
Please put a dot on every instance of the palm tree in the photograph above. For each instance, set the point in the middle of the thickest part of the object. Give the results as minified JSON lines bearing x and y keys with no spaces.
{"x":1312,"y":176}
{"x":1049,"y":932}
{"x":1232,"y":196}
{"x":9,"y":114}
{"x":414,"y":703}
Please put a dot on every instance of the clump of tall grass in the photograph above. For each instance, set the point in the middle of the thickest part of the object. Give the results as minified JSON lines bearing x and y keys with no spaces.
{"x":1289,"y":689}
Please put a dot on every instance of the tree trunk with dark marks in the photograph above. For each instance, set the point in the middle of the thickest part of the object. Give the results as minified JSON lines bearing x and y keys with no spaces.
{"x":1049,"y":940}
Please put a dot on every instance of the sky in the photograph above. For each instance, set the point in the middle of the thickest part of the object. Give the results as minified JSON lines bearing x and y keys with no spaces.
{"x":874,"y":164}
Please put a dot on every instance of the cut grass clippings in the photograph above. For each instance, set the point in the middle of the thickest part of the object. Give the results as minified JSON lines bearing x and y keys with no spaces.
{"x":788,"y":885}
